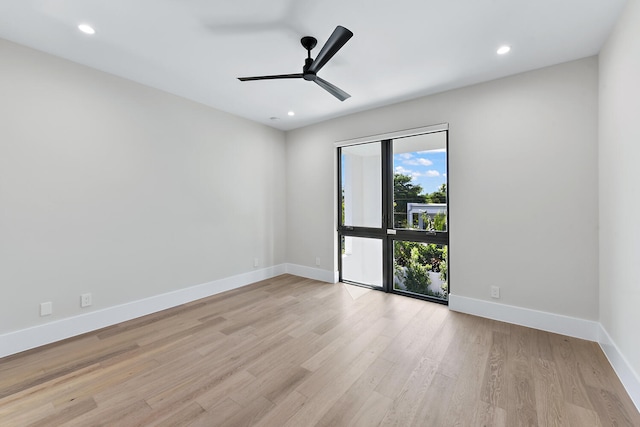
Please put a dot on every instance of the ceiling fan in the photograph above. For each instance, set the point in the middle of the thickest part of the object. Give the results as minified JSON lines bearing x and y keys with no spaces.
{"x":338,"y":38}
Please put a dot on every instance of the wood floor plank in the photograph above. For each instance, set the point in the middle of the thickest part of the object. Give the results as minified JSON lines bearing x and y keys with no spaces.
{"x":521,"y":404}
{"x":431,"y":410}
{"x":573,"y":388}
{"x":67,"y":413}
{"x":62,"y":371}
{"x":520,"y":350}
{"x":296,"y":352}
{"x":293,"y":352}
{"x":213,"y":395}
{"x":43,"y":392}
{"x":494,"y":390}
{"x":416,"y":332}
{"x":610,"y":408}
{"x":282,"y":412}
{"x":323,"y":395}
{"x":468,"y":382}
{"x":133,"y":413}
{"x":580,"y":416}
{"x":349,"y":334}
{"x":486,"y":414}
{"x":372,"y":412}
{"x":406,"y":404}
{"x":182,"y":417}
{"x":452,"y":351}
{"x":26,"y":415}
{"x":551,"y":406}
{"x":348,"y":406}
{"x":219,"y":414}
{"x":274,"y":385}
{"x":597,"y":374}
{"x":352,"y":354}
{"x":251,"y":414}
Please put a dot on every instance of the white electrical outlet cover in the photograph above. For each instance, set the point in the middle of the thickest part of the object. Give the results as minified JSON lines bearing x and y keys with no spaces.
{"x":46,"y":308}
{"x":495,"y":292}
{"x":85,"y":300}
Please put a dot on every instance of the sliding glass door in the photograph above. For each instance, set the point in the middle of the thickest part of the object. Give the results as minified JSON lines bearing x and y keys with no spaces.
{"x":393,"y":214}
{"x":361,"y":242}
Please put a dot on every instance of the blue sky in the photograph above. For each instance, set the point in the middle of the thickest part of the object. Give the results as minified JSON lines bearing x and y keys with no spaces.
{"x":427,"y":168}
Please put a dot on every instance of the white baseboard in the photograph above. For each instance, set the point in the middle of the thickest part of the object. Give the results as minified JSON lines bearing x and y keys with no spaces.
{"x":557,"y":323}
{"x":565,"y":325}
{"x":312,"y":273}
{"x":629,"y":378}
{"x":36,"y":336}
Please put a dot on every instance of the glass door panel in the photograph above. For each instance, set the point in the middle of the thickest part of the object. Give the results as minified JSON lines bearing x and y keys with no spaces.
{"x":421,"y":269}
{"x":420,"y":182}
{"x":361,"y":179}
{"x":362,"y":260}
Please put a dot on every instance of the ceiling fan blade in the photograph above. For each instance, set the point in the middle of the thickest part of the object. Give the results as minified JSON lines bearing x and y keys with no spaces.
{"x":277,"y":76}
{"x":338,"y":38}
{"x":333,"y":90}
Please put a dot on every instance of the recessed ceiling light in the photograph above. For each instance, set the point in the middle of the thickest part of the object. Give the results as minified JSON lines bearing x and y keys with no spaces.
{"x":291,"y":113}
{"x":87,"y":29}
{"x":503,"y":49}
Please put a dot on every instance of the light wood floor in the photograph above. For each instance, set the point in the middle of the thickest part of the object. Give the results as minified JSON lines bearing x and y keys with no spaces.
{"x":296,"y":352}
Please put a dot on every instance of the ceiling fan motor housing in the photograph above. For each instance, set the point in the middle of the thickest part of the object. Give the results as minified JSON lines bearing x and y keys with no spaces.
{"x":305,"y":70}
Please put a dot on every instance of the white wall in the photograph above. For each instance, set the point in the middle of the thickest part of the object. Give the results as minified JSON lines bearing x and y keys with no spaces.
{"x":117,"y":189}
{"x":525,"y":145}
{"x":619,"y":163}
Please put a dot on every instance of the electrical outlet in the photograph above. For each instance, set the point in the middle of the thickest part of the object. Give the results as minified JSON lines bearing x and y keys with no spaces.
{"x":256,"y":262}
{"x":318,"y":260}
{"x":46,"y":308}
{"x":495,"y":292}
{"x":85,"y":300}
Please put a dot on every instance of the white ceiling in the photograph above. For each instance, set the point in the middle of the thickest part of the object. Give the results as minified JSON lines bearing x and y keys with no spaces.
{"x":401,"y":49}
